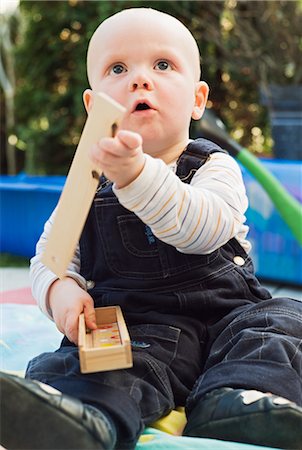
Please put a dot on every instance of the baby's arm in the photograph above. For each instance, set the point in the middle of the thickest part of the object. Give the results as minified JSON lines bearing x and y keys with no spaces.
{"x":61,"y":300}
{"x":195,"y":218}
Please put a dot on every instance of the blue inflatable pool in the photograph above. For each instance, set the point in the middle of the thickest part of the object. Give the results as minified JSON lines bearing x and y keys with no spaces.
{"x":27,"y":201}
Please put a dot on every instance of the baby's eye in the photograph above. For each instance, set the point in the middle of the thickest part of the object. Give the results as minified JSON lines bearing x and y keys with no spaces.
{"x":163,"y":65}
{"x":117,"y":69}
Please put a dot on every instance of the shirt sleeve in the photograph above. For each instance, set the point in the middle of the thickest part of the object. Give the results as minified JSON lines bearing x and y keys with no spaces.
{"x":41,"y":277}
{"x":195,"y":218}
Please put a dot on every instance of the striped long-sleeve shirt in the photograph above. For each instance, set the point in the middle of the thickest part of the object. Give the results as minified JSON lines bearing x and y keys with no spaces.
{"x":195,"y":218}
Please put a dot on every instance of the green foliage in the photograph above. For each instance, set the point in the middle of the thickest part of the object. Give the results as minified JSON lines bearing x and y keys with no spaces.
{"x":51,"y":77}
{"x":51,"y":73}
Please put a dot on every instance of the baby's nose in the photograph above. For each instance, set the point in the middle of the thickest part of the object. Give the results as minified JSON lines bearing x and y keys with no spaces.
{"x":137,"y":85}
{"x":140,"y":81}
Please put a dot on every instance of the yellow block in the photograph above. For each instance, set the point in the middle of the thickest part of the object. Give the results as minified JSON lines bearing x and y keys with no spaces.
{"x":173,"y":423}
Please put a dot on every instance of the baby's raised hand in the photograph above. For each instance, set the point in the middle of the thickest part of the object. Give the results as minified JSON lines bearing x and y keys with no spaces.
{"x":67,"y":301}
{"x":121,"y":158}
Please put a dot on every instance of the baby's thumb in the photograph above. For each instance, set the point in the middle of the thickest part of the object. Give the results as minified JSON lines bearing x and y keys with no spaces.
{"x":130,"y":139}
{"x":89,"y":314}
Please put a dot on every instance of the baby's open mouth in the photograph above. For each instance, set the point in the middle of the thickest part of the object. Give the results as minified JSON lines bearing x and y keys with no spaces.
{"x":142,"y":107}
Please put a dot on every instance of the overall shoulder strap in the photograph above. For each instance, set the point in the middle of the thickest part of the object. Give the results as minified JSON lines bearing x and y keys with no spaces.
{"x":195,"y":156}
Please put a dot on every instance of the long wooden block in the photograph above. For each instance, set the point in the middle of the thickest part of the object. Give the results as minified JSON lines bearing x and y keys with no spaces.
{"x":108,"y":347}
{"x":80,"y":186}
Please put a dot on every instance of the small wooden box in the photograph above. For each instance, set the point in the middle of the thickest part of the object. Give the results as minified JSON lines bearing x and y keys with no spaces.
{"x":108,"y":347}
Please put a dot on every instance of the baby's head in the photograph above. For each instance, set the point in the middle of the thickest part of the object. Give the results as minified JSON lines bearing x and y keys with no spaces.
{"x":146,"y":23}
{"x":144,"y":55}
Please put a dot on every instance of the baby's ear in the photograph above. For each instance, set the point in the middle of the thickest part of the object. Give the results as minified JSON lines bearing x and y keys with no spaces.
{"x":88,"y":99}
{"x":201,"y":97}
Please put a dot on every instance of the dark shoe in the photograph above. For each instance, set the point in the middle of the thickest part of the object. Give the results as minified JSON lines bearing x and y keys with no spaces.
{"x":37,"y":416}
{"x":249,"y":417}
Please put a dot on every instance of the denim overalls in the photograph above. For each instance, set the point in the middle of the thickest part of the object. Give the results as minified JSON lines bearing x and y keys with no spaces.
{"x":197,"y":322}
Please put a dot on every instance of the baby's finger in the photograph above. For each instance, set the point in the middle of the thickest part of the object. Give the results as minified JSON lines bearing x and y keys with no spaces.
{"x":89,"y":314}
{"x":129,"y":138}
{"x":71,"y":329}
{"x":96,"y":151}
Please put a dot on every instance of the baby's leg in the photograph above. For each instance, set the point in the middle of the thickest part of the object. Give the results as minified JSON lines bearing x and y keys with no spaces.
{"x":129,"y":398}
{"x":86,"y":411}
{"x":251,"y":389}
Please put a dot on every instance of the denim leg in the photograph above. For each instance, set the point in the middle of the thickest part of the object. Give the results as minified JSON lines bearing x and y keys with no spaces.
{"x":61,"y":370}
{"x":132,"y":397}
{"x":258,"y":348}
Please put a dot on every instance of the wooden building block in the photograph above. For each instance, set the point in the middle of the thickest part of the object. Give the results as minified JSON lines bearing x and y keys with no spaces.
{"x":80,"y":186}
{"x":108,"y":347}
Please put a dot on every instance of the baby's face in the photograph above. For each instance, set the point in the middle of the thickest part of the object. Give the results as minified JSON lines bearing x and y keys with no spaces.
{"x":150,"y":64}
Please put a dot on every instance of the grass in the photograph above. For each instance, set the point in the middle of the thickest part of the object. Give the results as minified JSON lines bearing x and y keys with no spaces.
{"x":8,"y":260}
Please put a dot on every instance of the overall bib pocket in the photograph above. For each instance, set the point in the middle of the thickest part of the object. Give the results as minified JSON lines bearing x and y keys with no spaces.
{"x":132,"y":251}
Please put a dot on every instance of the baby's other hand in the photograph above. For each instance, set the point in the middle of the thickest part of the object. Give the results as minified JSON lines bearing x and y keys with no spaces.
{"x":121,"y":158}
{"x":67,"y":301}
